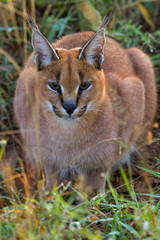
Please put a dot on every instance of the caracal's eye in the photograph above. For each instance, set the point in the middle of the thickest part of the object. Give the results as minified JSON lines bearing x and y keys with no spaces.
{"x":54,"y":86}
{"x":84,"y":86}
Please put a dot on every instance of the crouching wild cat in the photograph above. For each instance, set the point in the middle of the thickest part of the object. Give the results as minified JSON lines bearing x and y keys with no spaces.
{"x":81,"y":104}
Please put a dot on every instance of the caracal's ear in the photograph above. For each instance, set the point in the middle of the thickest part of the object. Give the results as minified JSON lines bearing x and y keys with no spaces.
{"x":44,"y":53}
{"x":92,"y":51}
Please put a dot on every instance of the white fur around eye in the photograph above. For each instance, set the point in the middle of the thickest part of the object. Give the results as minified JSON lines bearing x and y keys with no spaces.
{"x":88,"y":88}
{"x":77,"y":88}
{"x":62,"y":89}
{"x":85,"y":90}
{"x":52,"y":88}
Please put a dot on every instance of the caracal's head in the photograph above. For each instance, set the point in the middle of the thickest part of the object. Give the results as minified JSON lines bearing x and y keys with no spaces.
{"x":71,"y":82}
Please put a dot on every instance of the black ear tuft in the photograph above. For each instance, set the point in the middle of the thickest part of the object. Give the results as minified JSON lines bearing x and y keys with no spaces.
{"x":43,"y":50}
{"x":92,"y":51}
{"x":106,"y":20}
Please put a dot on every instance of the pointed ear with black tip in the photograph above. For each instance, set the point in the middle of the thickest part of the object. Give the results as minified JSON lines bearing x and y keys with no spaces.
{"x":92,"y":51}
{"x":44,"y":53}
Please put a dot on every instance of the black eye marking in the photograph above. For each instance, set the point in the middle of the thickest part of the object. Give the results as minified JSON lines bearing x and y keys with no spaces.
{"x":81,"y":76}
{"x":84,"y":86}
{"x":58,"y":76}
{"x":54,"y":86}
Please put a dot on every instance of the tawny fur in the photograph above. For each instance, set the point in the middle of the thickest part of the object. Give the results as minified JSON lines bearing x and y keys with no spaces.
{"x":120,"y":103}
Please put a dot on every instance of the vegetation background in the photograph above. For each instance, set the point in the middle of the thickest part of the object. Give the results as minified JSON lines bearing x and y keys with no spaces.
{"x":117,"y":215}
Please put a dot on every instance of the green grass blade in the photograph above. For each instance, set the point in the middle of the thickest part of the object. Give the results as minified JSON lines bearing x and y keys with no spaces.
{"x":157,"y":174}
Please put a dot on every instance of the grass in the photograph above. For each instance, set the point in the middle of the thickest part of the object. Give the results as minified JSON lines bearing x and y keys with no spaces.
{"x":113,"y":215}
{"x":108,"y":216}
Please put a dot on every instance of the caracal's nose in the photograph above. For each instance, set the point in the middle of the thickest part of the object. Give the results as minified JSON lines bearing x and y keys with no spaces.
{"x":69,"y":107}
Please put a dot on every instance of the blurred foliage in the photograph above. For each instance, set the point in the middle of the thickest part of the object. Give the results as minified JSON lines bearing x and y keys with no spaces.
{"x":134,"y":23}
